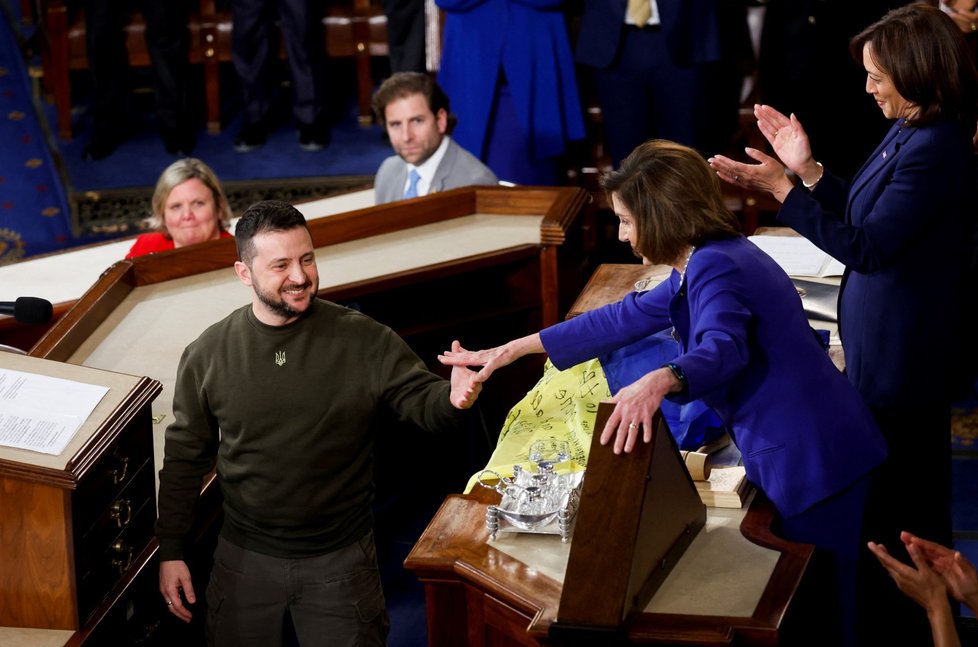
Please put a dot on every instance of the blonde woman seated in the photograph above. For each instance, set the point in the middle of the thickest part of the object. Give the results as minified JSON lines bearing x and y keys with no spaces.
{"x":189,"y":207}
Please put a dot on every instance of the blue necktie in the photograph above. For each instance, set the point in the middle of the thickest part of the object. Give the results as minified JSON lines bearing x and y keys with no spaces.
{"x":412,"y":189}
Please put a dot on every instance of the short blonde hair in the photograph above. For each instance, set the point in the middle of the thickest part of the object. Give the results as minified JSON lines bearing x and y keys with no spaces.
{"x":177,"y":173}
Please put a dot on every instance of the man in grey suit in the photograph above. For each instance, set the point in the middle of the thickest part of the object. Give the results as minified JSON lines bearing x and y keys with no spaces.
{"x":415,"y":112}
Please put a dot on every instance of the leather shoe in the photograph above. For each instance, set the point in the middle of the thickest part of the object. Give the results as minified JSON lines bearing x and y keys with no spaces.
{"x":101,"y":146}
{"x":251,"y":136}
{"x":178,"y":141}
{"x":314,"y":136}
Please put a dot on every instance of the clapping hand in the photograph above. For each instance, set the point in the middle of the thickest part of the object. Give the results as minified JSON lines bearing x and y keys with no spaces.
{"x":922,"y":584}
{"x":955,"y":569}
{"x":789,"y":142}
{"x":787,"y":138}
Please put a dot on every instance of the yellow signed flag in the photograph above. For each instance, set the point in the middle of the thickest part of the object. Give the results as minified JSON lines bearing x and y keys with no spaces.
{"x":562,"y":405}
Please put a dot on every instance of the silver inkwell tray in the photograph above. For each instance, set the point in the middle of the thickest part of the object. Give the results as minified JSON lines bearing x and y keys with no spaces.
{"x":536,"y":500}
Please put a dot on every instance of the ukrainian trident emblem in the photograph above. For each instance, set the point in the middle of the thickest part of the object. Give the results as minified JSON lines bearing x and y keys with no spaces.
{"x":279,"y":357}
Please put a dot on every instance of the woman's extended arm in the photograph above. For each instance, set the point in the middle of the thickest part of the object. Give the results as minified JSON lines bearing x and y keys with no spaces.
{"x":491,"y":358}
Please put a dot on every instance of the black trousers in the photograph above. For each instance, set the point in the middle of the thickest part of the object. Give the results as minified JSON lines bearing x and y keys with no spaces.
{"x":405,"y":34}
{"x":167,"y":41}
{"x":254,"y":49}
{"x":333,"y":599}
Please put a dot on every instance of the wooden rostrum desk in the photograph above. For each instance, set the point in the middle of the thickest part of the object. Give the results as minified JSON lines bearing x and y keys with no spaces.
{"x":75,"y":526}
{"x":430,"y":268}
{"x":735,"y":584}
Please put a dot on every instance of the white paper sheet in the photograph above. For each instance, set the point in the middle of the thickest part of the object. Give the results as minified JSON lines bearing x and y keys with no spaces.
{"x":42,"y":413}
{"x":798,"y":256}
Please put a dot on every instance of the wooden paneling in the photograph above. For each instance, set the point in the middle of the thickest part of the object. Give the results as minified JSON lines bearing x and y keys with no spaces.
{"x":36,"y":582}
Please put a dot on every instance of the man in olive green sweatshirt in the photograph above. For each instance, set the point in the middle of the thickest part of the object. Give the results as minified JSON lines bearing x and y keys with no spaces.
{"x":282,"y":394}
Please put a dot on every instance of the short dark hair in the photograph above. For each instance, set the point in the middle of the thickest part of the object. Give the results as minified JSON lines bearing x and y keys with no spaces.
{"x":928,"y":59}
{"x":404,"y":84}
{"x":261,"y":217}
{"x":674,"y":197}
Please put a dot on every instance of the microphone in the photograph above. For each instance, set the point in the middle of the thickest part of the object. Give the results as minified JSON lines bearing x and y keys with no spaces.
{"x":28,"y":310}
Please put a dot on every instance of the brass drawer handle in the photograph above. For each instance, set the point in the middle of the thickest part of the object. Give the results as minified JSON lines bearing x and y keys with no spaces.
{"x":121,"y":511}
{"x":119,"y":473}
{"x":124,"y":561}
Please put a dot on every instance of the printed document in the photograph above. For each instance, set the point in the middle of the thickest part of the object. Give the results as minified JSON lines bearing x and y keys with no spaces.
{"x":42,"y":413}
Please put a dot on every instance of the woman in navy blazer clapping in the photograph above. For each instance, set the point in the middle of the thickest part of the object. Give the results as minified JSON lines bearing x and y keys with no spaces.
{"x":904,"y":229}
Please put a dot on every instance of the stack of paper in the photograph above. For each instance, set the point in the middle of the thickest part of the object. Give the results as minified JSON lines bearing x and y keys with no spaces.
{"x":727,"y":487}
{"x":798,"y":256}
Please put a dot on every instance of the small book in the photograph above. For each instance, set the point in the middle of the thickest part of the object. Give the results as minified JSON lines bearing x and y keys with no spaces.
{"x":727,"y":487}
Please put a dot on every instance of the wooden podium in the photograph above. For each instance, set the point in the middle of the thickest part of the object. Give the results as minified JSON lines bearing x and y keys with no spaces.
{"x":74,"y":526}
{"x":733,"y":586}
{"x":638,"y":514}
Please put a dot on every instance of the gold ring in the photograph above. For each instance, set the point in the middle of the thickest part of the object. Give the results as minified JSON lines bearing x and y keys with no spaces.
{"x":974,"y":27}
{"x":632,"y":425}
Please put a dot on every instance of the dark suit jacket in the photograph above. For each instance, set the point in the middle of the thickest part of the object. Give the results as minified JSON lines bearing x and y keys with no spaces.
{"x":749,"y":354}
{"x":457,"y":168}
{"x":689,"y":26}
{"x":901,"y":229}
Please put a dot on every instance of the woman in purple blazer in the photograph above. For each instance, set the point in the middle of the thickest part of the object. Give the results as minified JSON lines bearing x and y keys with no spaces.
{"x":746,"y":350}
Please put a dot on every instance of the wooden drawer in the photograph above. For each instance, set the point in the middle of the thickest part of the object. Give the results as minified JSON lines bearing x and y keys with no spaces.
{"x":118,"y":516}
{"x":115,"y":560}
{"x":107,"y":478}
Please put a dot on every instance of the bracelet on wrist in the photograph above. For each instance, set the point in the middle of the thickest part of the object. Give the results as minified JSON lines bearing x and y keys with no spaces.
{"x":821,"y":172}
{"x":679,"y":374}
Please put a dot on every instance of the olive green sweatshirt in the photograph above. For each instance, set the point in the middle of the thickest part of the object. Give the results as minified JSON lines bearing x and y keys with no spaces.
{"x":288,"y":414}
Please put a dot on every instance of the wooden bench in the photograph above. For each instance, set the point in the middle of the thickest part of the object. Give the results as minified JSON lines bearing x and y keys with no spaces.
{"x":354,"y":29}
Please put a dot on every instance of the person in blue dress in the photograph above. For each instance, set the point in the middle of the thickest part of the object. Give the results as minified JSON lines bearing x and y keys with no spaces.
{"x":508,"y":67}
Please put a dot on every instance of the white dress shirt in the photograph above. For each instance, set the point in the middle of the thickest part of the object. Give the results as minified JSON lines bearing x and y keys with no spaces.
{"x":427,"y":168}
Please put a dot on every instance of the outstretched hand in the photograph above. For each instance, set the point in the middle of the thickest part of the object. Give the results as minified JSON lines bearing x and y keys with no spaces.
{"x":465,"y":387}
{"x":492,"y":358}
